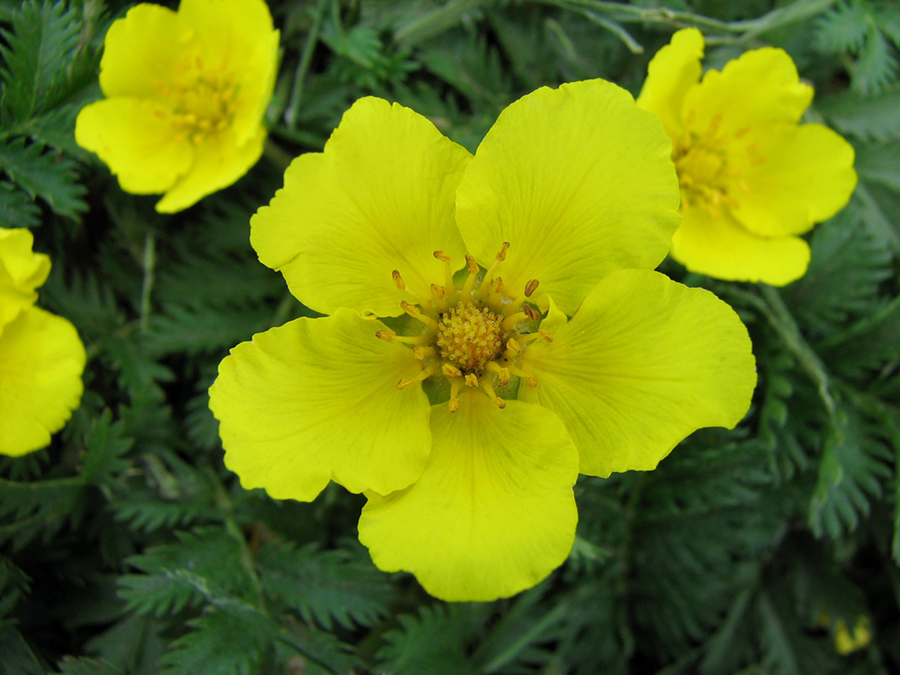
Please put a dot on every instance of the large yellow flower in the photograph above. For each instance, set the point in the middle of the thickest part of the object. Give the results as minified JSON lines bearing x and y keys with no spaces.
{"x":751,"y":178}
{"x":185,"y":97}
{"x":41,"y":356}
{"x":523,"y":338}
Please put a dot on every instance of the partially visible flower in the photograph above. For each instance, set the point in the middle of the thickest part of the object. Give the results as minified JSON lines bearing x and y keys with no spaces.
{"x":752,"y":178}
{"x":847,"y":641}
{"x":524,"y":337}
{"x":41,"y":355}
{"x":185,"y":96}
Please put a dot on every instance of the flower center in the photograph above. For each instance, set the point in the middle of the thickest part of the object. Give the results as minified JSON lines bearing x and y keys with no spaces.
{"x":469,"y":336}
{"x":202,"y":100}
{"x":474,"y":332}
{"x":705,"y":175}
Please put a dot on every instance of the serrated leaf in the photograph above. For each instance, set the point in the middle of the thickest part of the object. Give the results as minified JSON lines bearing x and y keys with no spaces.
{"x":431,"y":643}
{"x":218,"y":645}
{"x":194,"y":330}
{"x":879,"y":163}
{"x":47,"y":175}
{"x":105,"y":445}
{"x":39,"y":508}
{"x":85,"y":666}
{"x":38,"y":50}
{"x":208,"y":558}
{"x":847,"y":265}
{"x":869,"y":344}
{"x":876,"y":66}
{"x":866,"y":117}
{"x":17,"y":209}
{"x":851,"y":472}
{"x":324,"y":587}
{"x":18,"y":659}
{"x":843,"y":28}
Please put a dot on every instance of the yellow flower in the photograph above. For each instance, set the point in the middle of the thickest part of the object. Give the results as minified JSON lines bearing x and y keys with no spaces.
{"x":846,"y":642}
{"x":185,"y":98}
{"x":751,"y":178}
{"x":523,"y":338}
{"x":41,"y":356}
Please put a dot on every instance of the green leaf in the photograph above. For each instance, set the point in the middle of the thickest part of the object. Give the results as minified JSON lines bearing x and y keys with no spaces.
{"x":219,"y":644}
{"x":433,"y":642}
{"x":868,"y":345}
{"x":106,"y":443}
{"x":324,"y":587}
{"x":17,"y":209}
{"x":866,"y":117}
{"x":879,"y":163}
{"x":843,"y":28}
{"x":84,"y":666}
{"x":39,"y":508}
{"x":17,"y":657}
{"x":848,"y":263}
{"x":209,"y":558}
{"x":876,"y":66}
{"x":47,"y":175}
{"x":853,"y":466}
{"x":38,"y":51}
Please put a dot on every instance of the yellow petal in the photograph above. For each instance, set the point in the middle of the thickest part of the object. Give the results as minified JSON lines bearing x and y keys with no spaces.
{"x":237,"y":37}
{"x":317,"y":400}
{"x":579,"y":181}
{"x":21,"y":272}
{"x":720,"y":247}
{"x":493,"y":513}
{"x":218,"y":162}
{"x":759,"y":87}
{"x":802,"y":176}
{"x":380,"y":198}
{"x":136,"y":139}
{"x":41,"y":361}
{"x":643,"y":363}
{"x":139,"y":52}
{"x":672,"y":72}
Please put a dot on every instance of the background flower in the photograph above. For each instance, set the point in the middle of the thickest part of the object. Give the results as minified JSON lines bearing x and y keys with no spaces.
{"x":185,"y":96}
{"x":752,"y":179}
{"x":41,"y":355}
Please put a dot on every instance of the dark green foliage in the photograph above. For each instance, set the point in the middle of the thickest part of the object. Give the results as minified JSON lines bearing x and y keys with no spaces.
{"x":128,"y":548}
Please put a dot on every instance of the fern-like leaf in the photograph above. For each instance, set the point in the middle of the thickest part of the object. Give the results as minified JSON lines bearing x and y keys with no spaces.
{"x":47,"y":175}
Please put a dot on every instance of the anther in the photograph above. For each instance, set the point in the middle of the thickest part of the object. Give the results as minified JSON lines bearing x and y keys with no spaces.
{"x":416,"y":313}
{"x":501,"y":256}
{"x":439,"y":293}
{"x":513,"y":346}
{"x":472,"y":380}
{"x":510,"y":321}
{"x":448,"y":274}
{"x":422,"y":353}
{"x":472,"y":266}
{"x":502,"y":373}
{"x":532,"y":313}
{"x":387,"y":335}
{"x":440,"y":255}
{"x":450,"y":370}
{"x":455,"y":386}
{"x":398,"y":280}
{"x":409,"y":381}
{"x":529,"y":377}
{"x":546,"y":335}
{"x":486,"y":385}
{"x":531,"y":287}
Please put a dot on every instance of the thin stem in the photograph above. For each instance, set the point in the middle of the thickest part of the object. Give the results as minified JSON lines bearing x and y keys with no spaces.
{"x":290,"y":115}
{"x":149,"y":263}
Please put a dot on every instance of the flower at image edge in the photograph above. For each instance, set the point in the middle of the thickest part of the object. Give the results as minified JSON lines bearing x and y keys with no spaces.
{"x":494,"y":328}
{"x":41,"y":355}
{"x":752,"y":178}
{"x":186,"y":92}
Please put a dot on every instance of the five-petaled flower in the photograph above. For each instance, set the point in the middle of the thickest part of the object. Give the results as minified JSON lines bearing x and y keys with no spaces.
{"x":185,"y":96}
{"x":41,"y":355}
{"x":751,"y":178}
{"x":523,"y":334}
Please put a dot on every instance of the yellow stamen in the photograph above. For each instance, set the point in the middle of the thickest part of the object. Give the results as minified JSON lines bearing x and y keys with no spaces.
{"x":450,"y":370}
{"x":472,"y":380}
{"x":470,"y":280}
{"x":398,"y":280}
{"x":423,"y":374}
{"x":529,"y":377}
{"x":486,"y":385}
{"x":531,"y":287}
{"x":455,"y":386}
{"x":416,"y":313}
{"x":502,"y":373}
{"x":510,"y":321}
{"x":422,"y":353}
